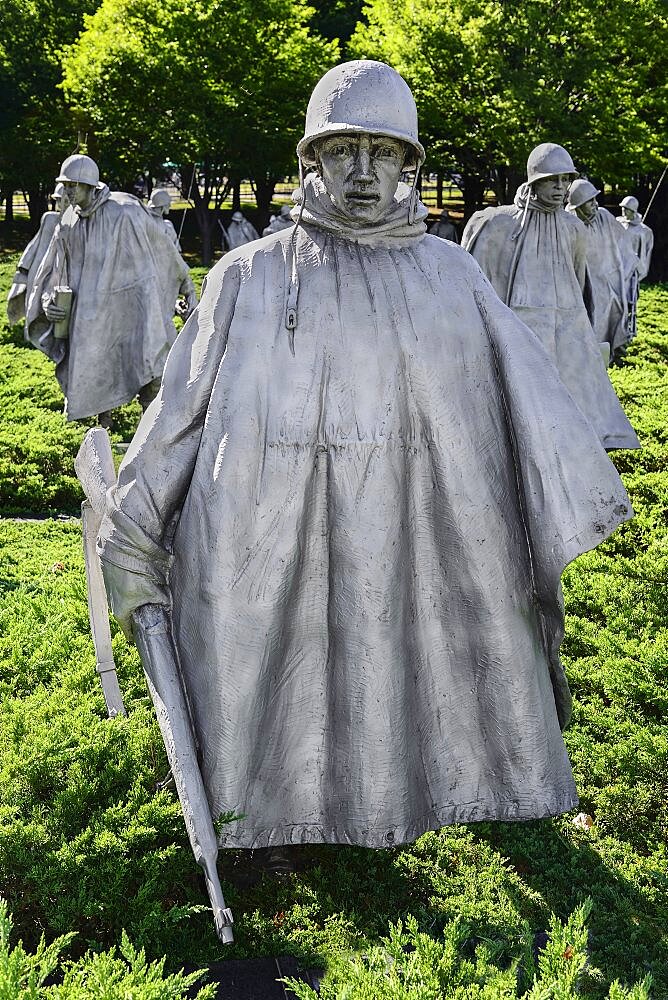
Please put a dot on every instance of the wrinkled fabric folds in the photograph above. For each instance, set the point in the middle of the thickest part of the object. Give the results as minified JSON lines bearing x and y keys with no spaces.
{"x":537,"y":262}
{"x":361,"y":542}
{"x":126,"y":275}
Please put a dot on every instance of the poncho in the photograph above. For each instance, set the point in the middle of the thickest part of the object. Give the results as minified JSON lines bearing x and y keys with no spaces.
{"x":537,"y":261}
{"x":238,"y":234}
{"x":362,"y":541}
{"x":31,"y":258}
{"x":611,"y":264}
{"x":126,"y":275}
{"x":642,"y":241}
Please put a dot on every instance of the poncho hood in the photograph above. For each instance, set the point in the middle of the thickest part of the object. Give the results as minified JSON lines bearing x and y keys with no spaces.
{"x":319,"y":210}
{"x":525,"y":201}
{"x":100,"y":195}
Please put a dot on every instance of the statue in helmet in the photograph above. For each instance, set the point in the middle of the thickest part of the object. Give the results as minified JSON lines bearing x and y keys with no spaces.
{"x":31,"y":258}
{"x":642,"y":237}
{"x":445,"y":228}
{"x":121,"y":275}
{"x":612,"y":265}
{"x":239,"y":232}
{"x":535,"y":255}
{"x":357,"y":494}
{"x":159,"y":205}
{"x":281,"y":221}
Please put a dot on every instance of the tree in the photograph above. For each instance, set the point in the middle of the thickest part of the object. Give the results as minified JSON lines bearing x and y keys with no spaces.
{"x":492,"y":78}
{"x":217,"y":86}
{"x":36,"y":129}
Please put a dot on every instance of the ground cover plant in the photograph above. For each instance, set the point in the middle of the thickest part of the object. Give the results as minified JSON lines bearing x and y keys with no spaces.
{"x":91,"y":844}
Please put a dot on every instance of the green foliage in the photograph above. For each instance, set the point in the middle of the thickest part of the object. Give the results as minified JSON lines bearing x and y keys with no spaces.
{"x":412,"y":965}
{"x":36,"y":131}
{"x":105,"y":976}
{"x":492,"y":79}
{"x":234,"y":98}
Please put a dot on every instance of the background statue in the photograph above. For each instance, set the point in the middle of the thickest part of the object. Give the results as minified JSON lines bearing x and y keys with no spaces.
{"x":122,"y":275}
{"x":612,"y":265}
{"x":281,"y":221}
{"x":31,"y":258}
{"x":159,"y":205}
{"x":239,"y":232}
{"x":356,"y":494}
{"x":444,"y":228}
{"x":535,"y":255}
{"x":642,"y":237}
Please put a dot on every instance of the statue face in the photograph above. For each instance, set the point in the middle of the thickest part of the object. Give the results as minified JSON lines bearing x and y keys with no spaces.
{"x":361,"y":173}
{"x":77,"y":194}
{"x":550,"y":192}
{"x":587,"y":210}
{"x":629,"y":213}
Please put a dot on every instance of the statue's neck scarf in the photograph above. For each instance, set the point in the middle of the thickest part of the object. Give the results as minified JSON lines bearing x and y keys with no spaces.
{"x":319,"y":210}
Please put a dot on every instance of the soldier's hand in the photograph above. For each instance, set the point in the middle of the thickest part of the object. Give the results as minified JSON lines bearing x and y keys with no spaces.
{"x":53,"y":312}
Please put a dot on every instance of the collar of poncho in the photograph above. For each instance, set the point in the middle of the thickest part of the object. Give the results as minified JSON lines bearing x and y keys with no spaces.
{"x":319,"y":210}
{"x":525,"y":201}
{"x":99,"y":197}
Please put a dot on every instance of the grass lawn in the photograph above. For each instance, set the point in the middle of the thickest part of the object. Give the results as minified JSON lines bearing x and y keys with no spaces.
{"x":89,"y":844}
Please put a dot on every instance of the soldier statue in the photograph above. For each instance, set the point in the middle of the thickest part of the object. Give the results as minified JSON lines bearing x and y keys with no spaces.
{"x":535,"y":255}
{"x":355,"y":495}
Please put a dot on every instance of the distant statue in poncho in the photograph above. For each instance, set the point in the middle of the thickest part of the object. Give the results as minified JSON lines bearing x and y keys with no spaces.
{"x":31,"y":258}
{"x":239,"y":232}
{"x":535,"y":255}
{"x":356,"y":493}
{"x":444,"y":228}
{"x":104,"y":297}
{"x":279,"y":222}
{"x":611,"y":265}
{"x":159,"y":205}
{"x":642,"y":237}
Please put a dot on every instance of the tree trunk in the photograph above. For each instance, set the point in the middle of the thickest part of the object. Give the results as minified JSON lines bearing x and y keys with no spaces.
{"x":264,"y":192}
{"x":439,"y":189}
{"x":236,"y":195}
{"x":9,"y":205}
{"x":37,"y":204}
{"x":204,"y":217}
{"x":657,"y":220}
{"x":474,"y":190}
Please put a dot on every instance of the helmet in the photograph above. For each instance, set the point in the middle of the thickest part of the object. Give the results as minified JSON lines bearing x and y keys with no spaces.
{"x":630,"y":202}
{"x":285,"y":211}
{"x":159,"y":199}
{"x":581,"y":191}
{"x":547,"y":160}
{"x":80,"y":169}
{"x":237,"y":217}
{"x":58,"y":192}
{"x":361,"y":96}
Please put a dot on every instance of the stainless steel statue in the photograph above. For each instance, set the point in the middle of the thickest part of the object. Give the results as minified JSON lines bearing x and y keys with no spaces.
{"x":612,"y":266}
{"x":104,"y":296}
{"x":535,"y":255}
{"x":641,"y":235}
{"x":354,"y":497}
{"x":239,"y":232}
{"x":31,"y":258}
{"x":445,"y":228}
{"x":159,"y":205}
{"x":279,"y":222}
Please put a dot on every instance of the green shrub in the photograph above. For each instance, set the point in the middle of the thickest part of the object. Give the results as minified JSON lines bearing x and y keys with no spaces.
{"x":104,"y":976}
{"x":413,"y":965}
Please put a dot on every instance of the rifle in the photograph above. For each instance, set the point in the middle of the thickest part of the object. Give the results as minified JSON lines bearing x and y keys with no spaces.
{"x":153,"y":635}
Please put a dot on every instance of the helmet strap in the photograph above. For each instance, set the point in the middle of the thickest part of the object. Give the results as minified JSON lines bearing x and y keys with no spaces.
{"x":413,"y":200}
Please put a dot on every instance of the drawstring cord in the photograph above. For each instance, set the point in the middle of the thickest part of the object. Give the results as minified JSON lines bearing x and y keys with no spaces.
{"x":293,"y":287}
